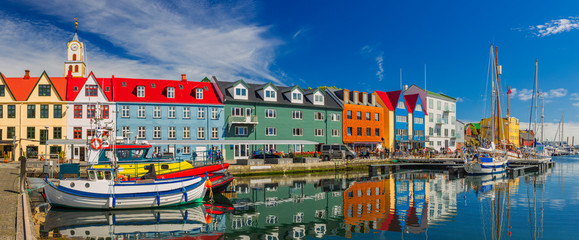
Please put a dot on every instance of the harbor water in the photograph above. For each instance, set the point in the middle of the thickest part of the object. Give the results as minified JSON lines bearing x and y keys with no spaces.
{"x":404,"y":205}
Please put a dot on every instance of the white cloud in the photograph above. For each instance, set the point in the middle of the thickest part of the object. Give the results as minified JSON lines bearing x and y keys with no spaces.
{"x":556,"y":93}
{"x":556,"y":26}
{"x":298,"y":33}
{"x":576,"y":104}
{"x":574,"y":97}
{"x":513,"y":91}
{"x":550,"y":129}
{"x":459,"y":99}
{"x":369,"y":50}
{"x":525,"y":94}
{"x":151,"y":40}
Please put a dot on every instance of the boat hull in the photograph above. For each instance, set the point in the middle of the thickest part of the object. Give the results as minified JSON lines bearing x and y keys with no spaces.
{"x":475,"y":168}
{"x":129,"y":195}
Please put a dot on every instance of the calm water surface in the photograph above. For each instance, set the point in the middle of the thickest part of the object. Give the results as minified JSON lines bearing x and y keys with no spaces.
{"x":407,"y":205}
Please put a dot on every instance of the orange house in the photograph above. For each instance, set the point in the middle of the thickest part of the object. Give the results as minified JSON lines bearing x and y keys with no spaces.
{"x":363,"y":118}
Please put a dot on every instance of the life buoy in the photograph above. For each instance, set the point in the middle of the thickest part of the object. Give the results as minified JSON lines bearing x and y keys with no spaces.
{"x":96,"y":143}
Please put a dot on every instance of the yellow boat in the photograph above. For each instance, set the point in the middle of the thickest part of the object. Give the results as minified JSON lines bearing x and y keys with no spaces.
{"x":136,"y":170}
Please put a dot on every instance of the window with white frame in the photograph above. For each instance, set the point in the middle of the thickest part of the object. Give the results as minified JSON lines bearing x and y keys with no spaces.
{"x":141,"y":112}
{"x":368,"y":118}
{"x":335,"y":117}
{"x":140,"y":91}
{"x":199,"y":93}
{"x":318,"y":99}
{"x":318,"y":132}
{"x":430,"y":104}
{"x":335,"y":132}
{"x":270,"y":95}
{"x":418,"y":108}
{"x":241,"y":131}
{"x":157,"y":132}
{"x":296,"y":96}
{"x":186,"y":150}
{"x":401,"y":105}
{"x":214,"y":133}
{"x":419,"y":120}
{"x":297,"y":147}
{"x":156,"y":112}
{"x":157,"y":149}
{"x":214,"y":113}
{"x":270,"y":131}
{"x":297,"y":115}
{"x":200,"y":133}
{"x":318,"y":116}
{"x":125,"y":110}
{"x":141,"y":133}
{"x":237,"y":112}
{"x":171,"y":112}
{"x":270,"y":113}
{"x":270,"y":148}
{"x":298,"y":131}
{"x":200,"y":113}
{"x":186,"y":112}
{"x":240,"y":92}
{"x":172,"y":133}
{"x":170,"y":92}
{"x":186,"y":132}
{"x":376,"y":117}
{"x":126,"y":131}
{"x":401,"y":118}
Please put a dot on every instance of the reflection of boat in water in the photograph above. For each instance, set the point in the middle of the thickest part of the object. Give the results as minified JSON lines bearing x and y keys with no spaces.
{"x":484,"y":184}
{"x":128,"y":224}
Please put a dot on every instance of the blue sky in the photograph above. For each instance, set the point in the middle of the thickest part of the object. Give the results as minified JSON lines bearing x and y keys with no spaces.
{"x":358,"y":45}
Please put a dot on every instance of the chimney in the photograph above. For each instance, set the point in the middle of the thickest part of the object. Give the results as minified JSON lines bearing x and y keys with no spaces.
{"x":183,"y":77}
{"x":26,"y":74}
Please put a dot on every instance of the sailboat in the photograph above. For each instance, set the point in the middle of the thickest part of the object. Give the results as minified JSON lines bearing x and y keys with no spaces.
{"x":493,"y":162}
{"x":105,"y":189}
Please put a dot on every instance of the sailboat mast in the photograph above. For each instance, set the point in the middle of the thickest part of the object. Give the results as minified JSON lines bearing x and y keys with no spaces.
{"x":533,"y":104}
{"x":535,"y":94}
{"x":542,"y":115}
{"x":497,"y":93}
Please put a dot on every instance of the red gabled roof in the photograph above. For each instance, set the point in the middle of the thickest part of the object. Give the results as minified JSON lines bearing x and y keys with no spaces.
{"x":158,"y":94}
{"x":411,"y":101}
{"x":21,"y":87}
{"x":390,"y":98}
{"x":80,"y":82}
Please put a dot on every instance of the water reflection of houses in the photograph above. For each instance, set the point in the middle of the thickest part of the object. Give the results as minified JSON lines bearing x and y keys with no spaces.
{"x":407,"y":202}
{"x":395,"y":203}
{"x":281,"y":208}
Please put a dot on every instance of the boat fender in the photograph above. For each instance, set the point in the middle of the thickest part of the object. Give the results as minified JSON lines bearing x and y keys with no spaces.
{"x":158,"y":200}
{"x":110,"y":201}
{"x":208,"y":219}
{"x":208,"y":183}
{"x":114,"y":201}
{"x":185,"y":196}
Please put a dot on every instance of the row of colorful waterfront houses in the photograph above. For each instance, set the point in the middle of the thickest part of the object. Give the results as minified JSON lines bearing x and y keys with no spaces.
{"x":237,"y":117}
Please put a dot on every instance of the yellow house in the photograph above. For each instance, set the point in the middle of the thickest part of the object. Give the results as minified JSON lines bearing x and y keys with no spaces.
{"x":509,"y":130}
{"x":33,"y":111}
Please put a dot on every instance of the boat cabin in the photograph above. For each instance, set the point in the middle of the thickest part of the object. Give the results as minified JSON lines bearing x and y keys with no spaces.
{"x":124,"y":153}
{"x":100,"y":174}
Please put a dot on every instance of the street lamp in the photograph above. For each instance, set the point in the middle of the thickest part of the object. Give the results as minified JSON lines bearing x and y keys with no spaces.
{"x":46,"y":143}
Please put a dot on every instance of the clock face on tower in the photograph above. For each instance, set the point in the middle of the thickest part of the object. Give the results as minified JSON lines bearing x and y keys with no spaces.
{"x":73,"y":47}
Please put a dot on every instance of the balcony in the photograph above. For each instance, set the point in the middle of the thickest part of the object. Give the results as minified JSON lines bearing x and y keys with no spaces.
{"x":418,"y":138}
{"x":442,"y":121}
{"x":447,"y":109}
{"x":401,"y":137}
{"x":242,"y":120}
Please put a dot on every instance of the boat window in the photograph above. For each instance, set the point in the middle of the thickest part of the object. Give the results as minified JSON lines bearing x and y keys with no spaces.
{"x":165,"y":166}
{"x":137,"y":153}
{"x":122,"y":154}
{"x":91,"y":175}
{"x":100,"y":175}
{"x":108,"y":175}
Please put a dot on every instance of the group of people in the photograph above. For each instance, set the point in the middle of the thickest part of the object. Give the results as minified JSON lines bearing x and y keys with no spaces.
{"x":212,"y":154}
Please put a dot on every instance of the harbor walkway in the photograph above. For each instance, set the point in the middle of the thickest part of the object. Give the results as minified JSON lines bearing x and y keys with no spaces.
{"x":9,"y":199}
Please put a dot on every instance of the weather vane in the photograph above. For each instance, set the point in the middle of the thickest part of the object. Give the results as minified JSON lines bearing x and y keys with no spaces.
{"x":75,"y":24}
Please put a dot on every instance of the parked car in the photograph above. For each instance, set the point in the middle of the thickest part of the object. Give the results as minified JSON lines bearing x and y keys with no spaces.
{"x":333,"y":151}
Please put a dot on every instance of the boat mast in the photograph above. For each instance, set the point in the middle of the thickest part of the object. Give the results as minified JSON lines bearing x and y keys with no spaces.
{"x":535,"y":94}
{"x":542,"y":115}
{"x":497,"y":93}
{"x":533,"y":103}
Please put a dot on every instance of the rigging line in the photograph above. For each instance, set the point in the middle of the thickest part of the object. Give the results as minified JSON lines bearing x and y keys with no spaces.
{"x":486,"y":85}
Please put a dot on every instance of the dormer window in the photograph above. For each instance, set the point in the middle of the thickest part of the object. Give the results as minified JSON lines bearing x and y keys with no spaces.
{"x":270,"y":95}
{"x":75,"y":89}
{"x":170,"y":92}
{"x":296,"y":96}
{"x":124,"y":84}
{"x":318,"y":99}
{"x":199,"y":93}
{"x":401,"y":105}
{"x":152,"y":85}
{"x":240,"y":92}
{"x":356,"y":97}
{"x":107,"y":89}
{"x":90,"y":90}
{"x":140,"y":91}
{"x":418,"y":108}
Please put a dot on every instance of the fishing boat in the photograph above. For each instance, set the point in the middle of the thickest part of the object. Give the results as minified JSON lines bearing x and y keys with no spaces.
{"x":105,"y":189}
{"x":493,"y":162}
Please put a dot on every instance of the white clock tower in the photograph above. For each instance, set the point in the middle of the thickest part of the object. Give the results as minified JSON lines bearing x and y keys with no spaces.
{"x":75,"y":56}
